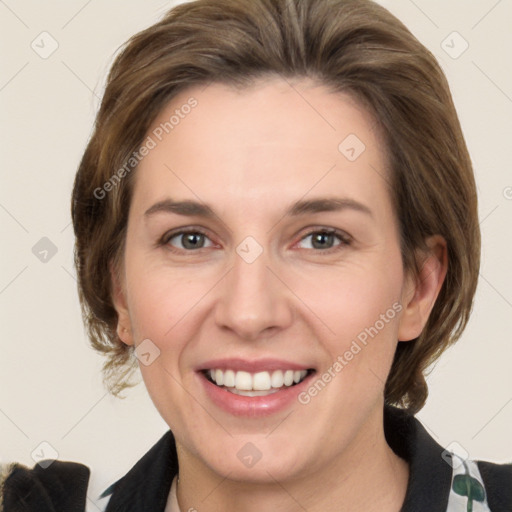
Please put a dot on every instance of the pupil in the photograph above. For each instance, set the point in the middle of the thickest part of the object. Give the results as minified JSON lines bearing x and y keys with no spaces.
{"x":321,"y":237}
{"x":192,"y":239}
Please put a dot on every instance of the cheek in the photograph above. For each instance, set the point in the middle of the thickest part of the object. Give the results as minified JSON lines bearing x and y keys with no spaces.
{"x":165,"y":307}
{"x":359,"y":310}
{"x":160,"y":299}
{"x":351,"y":299}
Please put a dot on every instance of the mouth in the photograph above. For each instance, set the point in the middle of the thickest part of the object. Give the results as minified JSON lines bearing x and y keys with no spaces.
{"x":257,"y":384}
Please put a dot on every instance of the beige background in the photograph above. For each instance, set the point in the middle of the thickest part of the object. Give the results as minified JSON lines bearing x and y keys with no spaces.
{"x":50,"y":387}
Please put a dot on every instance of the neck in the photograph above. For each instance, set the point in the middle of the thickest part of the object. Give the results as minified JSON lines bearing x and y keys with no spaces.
{"x":368,"y":476}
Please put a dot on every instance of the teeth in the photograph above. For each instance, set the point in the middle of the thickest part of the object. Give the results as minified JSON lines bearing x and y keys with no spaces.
{"x":288,"y":377}
{"x":229,"y":378}
{"x":261,"y":381}
{"x":243,"y":380}
{"x":277,"y":379}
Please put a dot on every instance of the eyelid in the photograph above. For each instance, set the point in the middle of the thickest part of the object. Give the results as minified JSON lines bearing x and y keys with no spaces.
{"x":322,"y":229}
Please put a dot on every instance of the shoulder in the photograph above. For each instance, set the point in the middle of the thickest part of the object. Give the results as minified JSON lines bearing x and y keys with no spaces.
{"x":441,"y":479}
{"x":483,"y":486}
{"x":497,"y":479}
{"x":55,"y":486}
{"x":49,"y":485}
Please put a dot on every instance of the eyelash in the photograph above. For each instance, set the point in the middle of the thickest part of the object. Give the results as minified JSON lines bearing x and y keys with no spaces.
{"x":345,"y":240}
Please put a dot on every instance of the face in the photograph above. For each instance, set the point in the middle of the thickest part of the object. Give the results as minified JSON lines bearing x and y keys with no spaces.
{"x":262,"y":244}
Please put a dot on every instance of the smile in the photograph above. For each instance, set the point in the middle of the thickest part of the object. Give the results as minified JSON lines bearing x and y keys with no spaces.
{"x":253,"y":389}
{"x":255,"y":384}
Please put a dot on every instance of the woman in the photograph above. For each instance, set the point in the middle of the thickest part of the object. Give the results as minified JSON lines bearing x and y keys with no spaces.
{"x":276,"y":218}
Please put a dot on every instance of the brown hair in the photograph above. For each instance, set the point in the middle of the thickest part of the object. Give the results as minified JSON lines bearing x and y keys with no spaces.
{"x":353,"y":46}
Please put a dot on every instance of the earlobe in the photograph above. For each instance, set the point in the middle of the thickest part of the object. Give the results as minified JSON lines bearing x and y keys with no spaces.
{"x":421,"y":292}
{"x":124,"y":330}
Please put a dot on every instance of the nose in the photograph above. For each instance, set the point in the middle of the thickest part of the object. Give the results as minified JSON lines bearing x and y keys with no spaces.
{"x":254,"y":301}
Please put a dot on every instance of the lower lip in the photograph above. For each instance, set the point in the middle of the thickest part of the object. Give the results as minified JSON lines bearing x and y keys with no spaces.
{"x":239,"y":405}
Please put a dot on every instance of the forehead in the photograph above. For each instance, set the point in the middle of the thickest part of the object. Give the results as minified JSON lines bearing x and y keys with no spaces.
{"x":274,"y":140}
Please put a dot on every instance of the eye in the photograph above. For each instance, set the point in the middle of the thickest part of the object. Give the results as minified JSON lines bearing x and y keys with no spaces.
{"x":324,"y":239}
{"x":187,"y":240}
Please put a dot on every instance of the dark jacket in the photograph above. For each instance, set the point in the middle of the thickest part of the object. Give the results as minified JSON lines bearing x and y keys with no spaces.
{"x":433,"y":481}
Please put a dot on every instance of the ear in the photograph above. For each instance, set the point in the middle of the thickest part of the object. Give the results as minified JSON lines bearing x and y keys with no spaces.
{"x":421,"y":291}
{"x":124,"y":327}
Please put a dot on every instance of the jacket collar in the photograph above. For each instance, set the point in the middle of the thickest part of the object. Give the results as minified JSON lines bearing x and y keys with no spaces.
{"x":146,"y":486}
{"x":429,"y":475}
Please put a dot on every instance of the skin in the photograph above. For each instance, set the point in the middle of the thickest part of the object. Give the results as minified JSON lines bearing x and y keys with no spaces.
{"x":250,"y":154}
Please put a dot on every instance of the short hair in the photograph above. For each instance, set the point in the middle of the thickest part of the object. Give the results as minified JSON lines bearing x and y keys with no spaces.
{"x":355,"y":47}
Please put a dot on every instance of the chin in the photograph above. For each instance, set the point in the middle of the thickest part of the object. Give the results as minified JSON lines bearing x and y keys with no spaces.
{"x":254,"y":459}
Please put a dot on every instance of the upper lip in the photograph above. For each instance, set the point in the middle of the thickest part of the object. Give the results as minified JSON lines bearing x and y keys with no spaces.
{"x":252,"y":366}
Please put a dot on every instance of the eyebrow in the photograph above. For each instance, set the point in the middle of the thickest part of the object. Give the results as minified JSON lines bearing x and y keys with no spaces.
{"x":302,"y":207}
